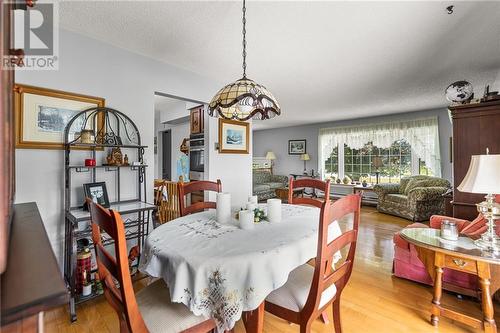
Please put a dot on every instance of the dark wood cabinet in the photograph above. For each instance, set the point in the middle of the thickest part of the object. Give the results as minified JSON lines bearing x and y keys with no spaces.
{"x":475,"y":128}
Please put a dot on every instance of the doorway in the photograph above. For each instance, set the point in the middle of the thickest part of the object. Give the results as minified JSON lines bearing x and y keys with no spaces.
{"x":166,"y":143}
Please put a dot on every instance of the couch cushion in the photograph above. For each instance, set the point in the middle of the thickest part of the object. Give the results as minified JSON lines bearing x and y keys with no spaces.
{"x":397,"y":198}
{"x":261,"y":188}
{"x":293,"y":294}
{"x":260,"y":177}
{"x":275,"y":185}
{"x":403,"y":183}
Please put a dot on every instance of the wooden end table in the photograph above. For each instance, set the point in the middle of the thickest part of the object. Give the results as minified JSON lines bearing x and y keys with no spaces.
{"x":282,"y":193}
{"x":461,"y":255}
{"x":365,"y":200}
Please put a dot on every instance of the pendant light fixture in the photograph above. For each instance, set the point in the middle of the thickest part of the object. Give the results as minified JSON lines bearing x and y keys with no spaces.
{"x":244,"y":98}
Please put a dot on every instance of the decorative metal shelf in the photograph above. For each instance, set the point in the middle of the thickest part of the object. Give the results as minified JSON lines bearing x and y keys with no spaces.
{"x":84,"y":168}
{"x":98,"y":145}
{"x":105,"y":128}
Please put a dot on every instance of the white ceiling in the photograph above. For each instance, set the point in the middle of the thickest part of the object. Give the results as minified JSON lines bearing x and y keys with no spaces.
{"x":322,"y":60}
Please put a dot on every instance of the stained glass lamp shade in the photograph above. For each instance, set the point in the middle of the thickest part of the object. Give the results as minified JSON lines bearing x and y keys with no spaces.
{"x":242,"y":100}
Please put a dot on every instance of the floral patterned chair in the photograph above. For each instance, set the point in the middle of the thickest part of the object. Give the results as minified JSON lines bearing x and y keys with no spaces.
{"x":264,"y":184}
{"x":415,"y":198}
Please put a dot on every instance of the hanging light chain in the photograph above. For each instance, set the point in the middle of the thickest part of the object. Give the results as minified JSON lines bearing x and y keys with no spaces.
{"x":244,"y":41}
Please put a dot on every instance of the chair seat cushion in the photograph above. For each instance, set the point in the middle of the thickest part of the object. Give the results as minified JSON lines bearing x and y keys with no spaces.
{"x":160,"y":314}
{"x":293,"y":294}
{"x":261,"y":188}
{"x":397,"y":198}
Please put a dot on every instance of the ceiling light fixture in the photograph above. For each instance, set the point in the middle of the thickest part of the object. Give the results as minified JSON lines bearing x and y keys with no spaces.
{"x":244,"y":98}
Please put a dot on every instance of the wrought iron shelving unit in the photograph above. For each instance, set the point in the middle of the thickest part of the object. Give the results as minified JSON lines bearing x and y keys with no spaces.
{"x":111,"y":129}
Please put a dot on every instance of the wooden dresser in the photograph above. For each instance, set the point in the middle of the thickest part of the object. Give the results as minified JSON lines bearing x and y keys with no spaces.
{"x":32,"y":282}
{"x":475,"y":128}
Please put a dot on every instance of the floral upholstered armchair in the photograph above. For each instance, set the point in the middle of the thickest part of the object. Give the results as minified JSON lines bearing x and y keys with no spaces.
{"x":264,"y":184}
{"x":415,"y":198}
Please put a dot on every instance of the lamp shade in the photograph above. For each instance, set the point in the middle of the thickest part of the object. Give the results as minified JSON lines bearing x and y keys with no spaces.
{"x":483,"y":175}
{"x":304,"y":157}
{"x":270,"y":156}
{"x":377,"y":162}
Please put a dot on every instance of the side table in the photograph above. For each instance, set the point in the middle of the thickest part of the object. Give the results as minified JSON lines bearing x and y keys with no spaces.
{"x":282,"y":193}
{"x":369,"y":200}
{"x":461,"y":255}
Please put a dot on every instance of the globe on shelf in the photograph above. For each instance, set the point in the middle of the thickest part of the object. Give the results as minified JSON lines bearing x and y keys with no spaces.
{"x":459,"y":92}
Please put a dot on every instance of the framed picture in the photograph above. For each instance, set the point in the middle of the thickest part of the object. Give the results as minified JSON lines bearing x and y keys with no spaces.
{"x":41,"y":115}
{"x":97,"y":192}
{"x":233,"y":136}
{"x":296,"y":147}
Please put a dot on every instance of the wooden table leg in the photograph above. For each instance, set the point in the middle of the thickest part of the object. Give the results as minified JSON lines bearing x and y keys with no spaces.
{"x":488,"y":318}
{"x":436,"y":300}
{"x":254,"y":320}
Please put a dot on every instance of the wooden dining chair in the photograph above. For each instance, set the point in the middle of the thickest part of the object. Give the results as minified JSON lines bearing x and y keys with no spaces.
{"x":196,"y":186}
{"x":310,"y":290}
{"x":308,"y":183}
{"x":166,"y":200}
{"x":151,"y":309}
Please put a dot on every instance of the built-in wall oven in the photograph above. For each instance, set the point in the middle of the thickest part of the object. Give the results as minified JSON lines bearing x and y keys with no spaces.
{"x":196,"y":157}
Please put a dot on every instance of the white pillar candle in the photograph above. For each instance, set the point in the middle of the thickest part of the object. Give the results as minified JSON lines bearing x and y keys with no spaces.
{"x":246,"y":219}
{"x":274,"y":210}
{"x":223,"y":211}
{"x":251,"y":206}
{"x":253,"y":199}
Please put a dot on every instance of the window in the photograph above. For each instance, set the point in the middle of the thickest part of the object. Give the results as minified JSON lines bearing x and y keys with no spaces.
{"x":332,"y":164}
{"x":359,"y":166}
{"x":404,"y":149}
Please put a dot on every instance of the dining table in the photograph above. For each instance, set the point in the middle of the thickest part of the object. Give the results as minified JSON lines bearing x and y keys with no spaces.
{"x":224,"y":272}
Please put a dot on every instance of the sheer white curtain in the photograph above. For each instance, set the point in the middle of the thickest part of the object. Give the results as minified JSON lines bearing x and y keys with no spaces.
{"x":421,"y":134}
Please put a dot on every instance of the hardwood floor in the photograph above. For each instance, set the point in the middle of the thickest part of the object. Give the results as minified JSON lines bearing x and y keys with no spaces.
{"x":373,"y":301}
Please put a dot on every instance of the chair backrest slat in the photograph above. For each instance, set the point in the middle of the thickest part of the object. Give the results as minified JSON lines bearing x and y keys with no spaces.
{"x":115,"y":268}
{"x":324,"y":274}
{"x":196,"y":186}
{"x":317,"y":184}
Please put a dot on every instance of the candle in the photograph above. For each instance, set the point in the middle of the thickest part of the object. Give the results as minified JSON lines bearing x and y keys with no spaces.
{"x":253,"y":199}
{"x":246,"y":219}
{"x":223,"y":211}
{"x":274,"y":210}
{"x":251,"y":206}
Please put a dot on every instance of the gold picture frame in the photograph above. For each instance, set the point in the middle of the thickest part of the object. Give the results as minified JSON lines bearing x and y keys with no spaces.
{"x":28,"y":100}
{"x":234,"y":137}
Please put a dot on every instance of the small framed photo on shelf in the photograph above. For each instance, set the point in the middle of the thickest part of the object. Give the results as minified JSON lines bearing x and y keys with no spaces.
{"x":296,"y":147}
{"x":97,"y":193}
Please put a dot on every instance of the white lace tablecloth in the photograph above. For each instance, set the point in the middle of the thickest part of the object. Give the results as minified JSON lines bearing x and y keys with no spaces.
{"x":218,"y":271}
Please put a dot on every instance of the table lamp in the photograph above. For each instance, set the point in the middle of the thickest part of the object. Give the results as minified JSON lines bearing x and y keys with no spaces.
{"x":270,"y":156}
{"x":483,"y":176}
{"x":305,"y":158}
{"x":377,"y":163}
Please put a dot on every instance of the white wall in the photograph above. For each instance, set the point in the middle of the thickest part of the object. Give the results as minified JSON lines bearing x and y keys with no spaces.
{"x":127,"y":81}
{"x":231,"y":169}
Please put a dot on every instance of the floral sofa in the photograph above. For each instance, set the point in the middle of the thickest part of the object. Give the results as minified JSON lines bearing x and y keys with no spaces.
{"x":264,"y":184}
{"x":415,"y":198}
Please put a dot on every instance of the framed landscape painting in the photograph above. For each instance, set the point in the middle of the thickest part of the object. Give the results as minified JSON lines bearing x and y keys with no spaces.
{"x":233,"y":136}
{"x":296,"y":147}
{"x":42,"y":114}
